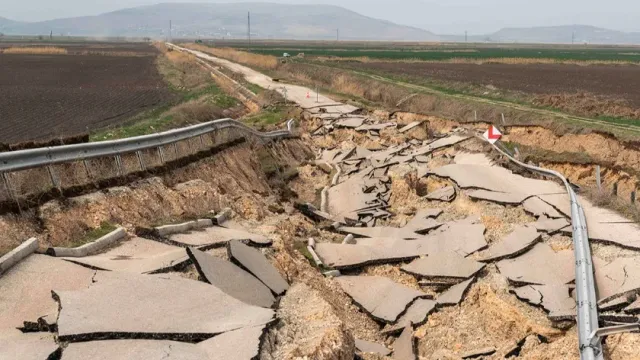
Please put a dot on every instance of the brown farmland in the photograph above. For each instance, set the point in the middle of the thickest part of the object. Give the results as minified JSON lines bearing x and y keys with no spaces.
{"x":612,"y":85}
{"x":48,"y":96}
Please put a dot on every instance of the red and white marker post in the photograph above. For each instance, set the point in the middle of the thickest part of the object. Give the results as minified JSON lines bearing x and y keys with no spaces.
{"x":492,"y":135}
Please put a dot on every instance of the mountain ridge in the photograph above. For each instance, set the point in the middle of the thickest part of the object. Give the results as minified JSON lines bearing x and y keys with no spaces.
{"x":283,"y":21}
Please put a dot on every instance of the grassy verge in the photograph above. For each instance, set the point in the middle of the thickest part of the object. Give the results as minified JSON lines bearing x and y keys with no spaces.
{"x":199,"y":99}
{"x":267,"y":117}
{"x":93,"y":234}
{"x":194,"y":107}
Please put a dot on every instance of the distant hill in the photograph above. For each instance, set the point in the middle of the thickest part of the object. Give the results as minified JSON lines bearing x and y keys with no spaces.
{"x":278,"y":21}
{"x":565,"y":34}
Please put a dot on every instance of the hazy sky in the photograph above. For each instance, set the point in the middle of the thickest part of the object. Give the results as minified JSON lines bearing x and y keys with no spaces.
{"x":444,"y":16}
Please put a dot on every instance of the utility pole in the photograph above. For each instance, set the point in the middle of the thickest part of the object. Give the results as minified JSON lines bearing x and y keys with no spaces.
{"x":573,"y":38}
{"x":170,"y":30}
{"x":337,"y":34}
{"x":249,"y":26}
{"x":465,"y":36}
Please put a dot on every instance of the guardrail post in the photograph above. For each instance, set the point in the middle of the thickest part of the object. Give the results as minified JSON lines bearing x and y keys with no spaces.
{"x":475,"y":115}
{"x":52,"y":175}
{"x":175,"y":150}
{"x":86,"y":168}
{"x":598,"y":178}
{"x":140,"y":161}
{"x":202,"y":141}
{"x":12,"y":194}
{"x":119,"y":164}
{"x":161,"y":153}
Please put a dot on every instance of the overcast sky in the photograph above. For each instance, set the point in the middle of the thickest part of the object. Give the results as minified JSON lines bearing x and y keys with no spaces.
{"x":443,"y":17}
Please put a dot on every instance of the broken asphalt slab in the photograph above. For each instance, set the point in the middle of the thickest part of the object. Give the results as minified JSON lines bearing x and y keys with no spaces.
{"x":26,"y":288}
{"x":346,"y":256}
{"x":381,"y":297}
{"x":555,"y":299}
{"x":257,"y":264}
{"x":19,"y":346}
{"x":136,"y":255}
{"x":242,"y":344}
{"x":517,"y":242}
{"x":443,"y":265}
{"x":446,"y":194}
{"x":550,"y":226}
{"x":617,"y":278}
{"x":496,"y":179}
{"x":231,"y":279}
{"x":498,"y":197}
{"x":417,"y":313}
{"x":404,"y":346}
{"x":123,"y":305}
{"x":540,"y":266}
{"x":455,"y":294}
{"x":217,"y":236}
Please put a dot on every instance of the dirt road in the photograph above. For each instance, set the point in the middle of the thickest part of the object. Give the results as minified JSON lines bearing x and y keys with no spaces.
{"x":305,"y":97}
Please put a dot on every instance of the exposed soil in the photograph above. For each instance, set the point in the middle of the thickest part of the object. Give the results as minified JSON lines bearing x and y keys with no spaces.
{"x":45,"y":96}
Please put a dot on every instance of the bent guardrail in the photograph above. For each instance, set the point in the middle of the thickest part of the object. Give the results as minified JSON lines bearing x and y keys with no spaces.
{"x":38,"y":171}
{"x":589,"y":339}
{"x":31,"y":158}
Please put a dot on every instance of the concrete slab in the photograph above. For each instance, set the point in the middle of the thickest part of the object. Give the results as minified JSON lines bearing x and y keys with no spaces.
{"x":123,"y":305}
{"x":540,"y":266}
{"x":490,"y":350}
{"x":133,"y":349}
{"x":495,"y":178}
{"x":381,"y":297}
{"x":438,"y":144}
{"x":447,"y":194}
{"x":26,"y":288}
{"x":634,"y":307}
{"x":498,"y":197}
{"x":241,"y":344}
{"x":443,"y":265}
{"x":616,"y":304}
{"x":382,"y":231}
{"x":136,"y":255}
{"x":349,"y":122}
{"x":463,"y":237}
{"x":375,"y":127}
{"x":257,"y":264}
{"x":617,"y":278}
{"x":517,"y":242}
{"x":555,"y":299}
{"x":347,"y":256}
{"x":537,"y":207}
{"x":624,"y":234}
{"x":404,"y":346}
{"x":551,"y":226}
{"x":363,"y":346}
{"x":455,"y":294}
{"x":231,"y":279}
{"x":417,"y":312}
{"x":217,"y":235}
{"x":18,"y":346}
{"x":472,"y":159}
{"x":409,"y":126}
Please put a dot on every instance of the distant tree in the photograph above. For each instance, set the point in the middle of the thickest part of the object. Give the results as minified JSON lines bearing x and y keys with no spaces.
{"x":40,"y":37}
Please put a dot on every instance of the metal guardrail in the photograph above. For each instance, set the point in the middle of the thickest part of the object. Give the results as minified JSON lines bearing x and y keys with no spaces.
{"x":589,"y":339}
{"x":34,"y":158}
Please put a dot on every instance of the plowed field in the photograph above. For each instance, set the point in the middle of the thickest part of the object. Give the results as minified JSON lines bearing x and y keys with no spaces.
{"x":48,"y":96}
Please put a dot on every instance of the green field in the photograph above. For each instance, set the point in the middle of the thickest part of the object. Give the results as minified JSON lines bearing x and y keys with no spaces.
{"x":441,"y":54}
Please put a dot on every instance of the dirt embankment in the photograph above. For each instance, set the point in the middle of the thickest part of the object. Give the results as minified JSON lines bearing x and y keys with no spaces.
{"x":233,"y":178}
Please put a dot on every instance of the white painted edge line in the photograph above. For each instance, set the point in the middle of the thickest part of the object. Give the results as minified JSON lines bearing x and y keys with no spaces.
{"x":14,"y":256}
